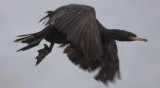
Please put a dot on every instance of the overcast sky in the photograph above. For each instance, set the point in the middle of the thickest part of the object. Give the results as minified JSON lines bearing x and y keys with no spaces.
{"x":139,"y":61}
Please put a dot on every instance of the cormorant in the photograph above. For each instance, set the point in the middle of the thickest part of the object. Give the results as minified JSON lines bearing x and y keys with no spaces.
{"x":87,"y":42}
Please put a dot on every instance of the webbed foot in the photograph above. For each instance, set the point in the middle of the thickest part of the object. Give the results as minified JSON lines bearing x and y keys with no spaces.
{"x":43,"y":53}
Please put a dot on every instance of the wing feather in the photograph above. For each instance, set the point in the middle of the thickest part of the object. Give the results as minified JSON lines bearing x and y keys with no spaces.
{"x":108,"y":66}
{"x":86,"y":49}
{"x":78,"y":23}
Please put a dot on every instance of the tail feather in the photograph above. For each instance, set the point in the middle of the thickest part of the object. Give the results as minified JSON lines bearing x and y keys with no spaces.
{"x":20,"y":39}
{"x":30,"y":45}
{"x":31,"y":39}
{"x":26,"y":35}
{"x":28,"y":38}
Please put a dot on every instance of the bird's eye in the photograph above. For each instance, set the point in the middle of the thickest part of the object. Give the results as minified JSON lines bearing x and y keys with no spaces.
{"x":132,"y":35}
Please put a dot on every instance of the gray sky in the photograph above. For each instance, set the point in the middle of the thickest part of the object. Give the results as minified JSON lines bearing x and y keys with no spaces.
{"x":139,"y":61}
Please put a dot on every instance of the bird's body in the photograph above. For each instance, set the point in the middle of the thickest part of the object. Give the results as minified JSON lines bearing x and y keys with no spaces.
{"x":55,"y":36}
{"x":88,"y":43}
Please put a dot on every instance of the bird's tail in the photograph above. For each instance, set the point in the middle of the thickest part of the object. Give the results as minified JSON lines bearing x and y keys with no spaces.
{"x":31,"y":39}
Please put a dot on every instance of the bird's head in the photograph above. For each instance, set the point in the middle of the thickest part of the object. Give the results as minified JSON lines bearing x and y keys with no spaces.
{"x":123,"y":35}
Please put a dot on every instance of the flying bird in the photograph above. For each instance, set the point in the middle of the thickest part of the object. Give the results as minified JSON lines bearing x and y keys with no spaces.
{"x":87,"y":42}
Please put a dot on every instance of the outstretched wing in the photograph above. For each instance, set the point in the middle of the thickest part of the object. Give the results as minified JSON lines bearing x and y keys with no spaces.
{"x":108,"y":66}
{"x":78,"y":23}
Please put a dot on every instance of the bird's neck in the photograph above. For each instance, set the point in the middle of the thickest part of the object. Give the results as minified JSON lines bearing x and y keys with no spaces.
{"x":109,"y":33}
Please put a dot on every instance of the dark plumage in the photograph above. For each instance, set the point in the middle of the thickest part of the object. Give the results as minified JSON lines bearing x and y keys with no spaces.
{"x":87,"y":42}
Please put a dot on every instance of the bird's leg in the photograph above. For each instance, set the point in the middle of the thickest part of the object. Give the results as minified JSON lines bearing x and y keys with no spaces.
{"x":43,"y":53}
